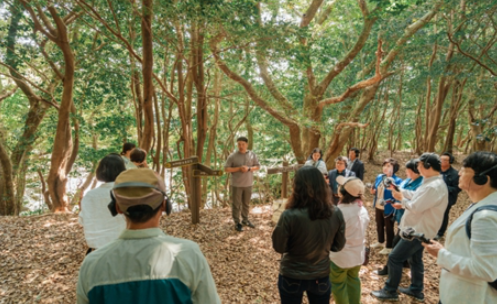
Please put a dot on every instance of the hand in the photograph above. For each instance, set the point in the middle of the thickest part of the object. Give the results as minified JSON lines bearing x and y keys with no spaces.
{"x":397,"y":206}
{"x":433,"y":248}
{"x":396,"y":194}
{"x":244,"y":169}
{"x":373,"y":191}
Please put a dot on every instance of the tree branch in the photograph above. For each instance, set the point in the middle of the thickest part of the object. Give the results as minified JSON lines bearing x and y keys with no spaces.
{"x":264,"y":73}
{"x":360,"y":85}
{"x":37,"y":24}
{"x":342,"y":64}
{"x":246,"y":85}
{"x":351,"y":125}
{"x":471,"y":56}
{"x":8,"y":93}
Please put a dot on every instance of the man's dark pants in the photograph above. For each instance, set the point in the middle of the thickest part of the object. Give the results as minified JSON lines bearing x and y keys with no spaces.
{"x":445,"y":222}
{"x":412,"y":251}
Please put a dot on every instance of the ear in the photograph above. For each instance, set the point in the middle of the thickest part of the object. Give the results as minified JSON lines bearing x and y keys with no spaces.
{"x":118,"y":209}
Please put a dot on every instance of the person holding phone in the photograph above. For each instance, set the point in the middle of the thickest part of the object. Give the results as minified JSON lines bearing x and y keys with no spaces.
{"x":383,"y":199}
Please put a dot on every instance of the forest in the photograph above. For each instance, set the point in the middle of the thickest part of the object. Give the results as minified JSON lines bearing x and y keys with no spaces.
{"x":79,"y":78}
{"x":180,"y":78}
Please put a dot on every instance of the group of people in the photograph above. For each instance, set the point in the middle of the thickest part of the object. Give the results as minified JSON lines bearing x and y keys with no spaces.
{"x":321,"y":235}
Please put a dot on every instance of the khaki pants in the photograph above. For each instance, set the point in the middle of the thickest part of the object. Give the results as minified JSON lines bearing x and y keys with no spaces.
{"x":240,"y":197}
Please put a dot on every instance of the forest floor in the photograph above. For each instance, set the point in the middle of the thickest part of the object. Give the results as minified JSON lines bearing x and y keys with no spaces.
{"x":40,"y":256}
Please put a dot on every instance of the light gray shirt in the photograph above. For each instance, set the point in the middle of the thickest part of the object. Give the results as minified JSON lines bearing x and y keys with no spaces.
{"x":426,"y":206}
{"x":320,"y":165}
{"x":237,"y":159}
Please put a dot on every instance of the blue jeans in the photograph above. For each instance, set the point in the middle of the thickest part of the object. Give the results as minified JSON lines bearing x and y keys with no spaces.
{"x":292,"y":290}
{"x":412,"y":251}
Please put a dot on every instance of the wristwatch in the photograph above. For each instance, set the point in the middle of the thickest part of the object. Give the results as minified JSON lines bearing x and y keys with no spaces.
{"x":250,"y":169}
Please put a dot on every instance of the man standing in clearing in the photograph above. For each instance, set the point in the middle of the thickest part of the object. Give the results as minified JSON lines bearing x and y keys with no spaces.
{"x":355,"y":164}
{"x":241,"y":164}
{"x":451,"y":178}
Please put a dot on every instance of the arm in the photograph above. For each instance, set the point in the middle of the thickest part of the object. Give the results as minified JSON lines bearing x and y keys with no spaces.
{"x":233,"y":170}
{"x":360,"y":172}
{"x":281,"y":234}
{"x":423,"y":200}
{"x":205,"y":291}
{"x":322,"y":167}
{"x":255,"y":163}
{"x":339,"y":238}
{"x":228,"y":166}
{"x":453,"y":186}
{"x":481,"y":264}
{"x":81,"y":295}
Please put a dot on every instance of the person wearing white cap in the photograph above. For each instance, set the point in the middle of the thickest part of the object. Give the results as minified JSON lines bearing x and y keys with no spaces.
{"x":345,"y":265}
{"x":145,"y":265}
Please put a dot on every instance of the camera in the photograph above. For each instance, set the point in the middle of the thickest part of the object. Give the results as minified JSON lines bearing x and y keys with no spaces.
{"x":410,"y":234}
{"x":388,"y":181}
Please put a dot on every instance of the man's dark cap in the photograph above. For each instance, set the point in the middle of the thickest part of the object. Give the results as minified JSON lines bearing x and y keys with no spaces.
{"x":432,"y":159}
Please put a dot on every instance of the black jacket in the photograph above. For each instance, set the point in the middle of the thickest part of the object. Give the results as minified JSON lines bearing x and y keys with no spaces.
{"x":332,"y":178}
{"x":306,"y":244}
{"x":358,"y":169}
{"x":451,"y":178}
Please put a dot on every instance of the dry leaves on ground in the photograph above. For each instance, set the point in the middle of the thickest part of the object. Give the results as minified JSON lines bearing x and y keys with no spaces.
{"x":40,"y":258}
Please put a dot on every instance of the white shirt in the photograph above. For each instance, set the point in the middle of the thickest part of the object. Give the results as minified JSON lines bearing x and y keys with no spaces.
{"x":356,"y":222}
{"x":426,"y":206}
{"x":99,"y":226}
{"x":320,"y":165}
{"x":467,"y":265}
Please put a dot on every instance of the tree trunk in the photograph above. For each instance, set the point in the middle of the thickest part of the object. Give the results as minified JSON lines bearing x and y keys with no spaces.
{"x":63,"y":145}
{"x":457,"y":93}
{"x":147,"y":72}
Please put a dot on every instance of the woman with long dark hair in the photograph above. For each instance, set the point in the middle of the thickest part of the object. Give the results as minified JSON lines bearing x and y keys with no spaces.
{"x":309,"y":228}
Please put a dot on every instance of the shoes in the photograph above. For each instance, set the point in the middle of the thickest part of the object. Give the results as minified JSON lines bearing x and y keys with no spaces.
{"x":381,"y":272}
{"x":248,"y":223}
{"x":386,"y":251}
{"x":385,"y":295}
{"x":419,"y":297}
{"x":238,"y":227}
{"x":377,"y":245}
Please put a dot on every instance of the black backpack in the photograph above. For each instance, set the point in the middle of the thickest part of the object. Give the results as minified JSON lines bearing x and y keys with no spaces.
{"x":468,"y":231}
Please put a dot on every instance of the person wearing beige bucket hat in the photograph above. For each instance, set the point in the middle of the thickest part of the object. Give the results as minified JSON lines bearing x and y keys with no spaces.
{"x":346,"y":264}
{"x":145,"y":265}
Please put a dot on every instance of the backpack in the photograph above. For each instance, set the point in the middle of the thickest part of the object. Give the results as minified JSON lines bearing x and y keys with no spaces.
{"x":468,"y":231}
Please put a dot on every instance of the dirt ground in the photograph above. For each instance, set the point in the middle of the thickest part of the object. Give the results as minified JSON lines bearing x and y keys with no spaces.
{"x":40,"y":256}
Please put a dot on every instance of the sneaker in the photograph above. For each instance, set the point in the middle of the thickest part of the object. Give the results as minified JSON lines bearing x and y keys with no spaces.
{"x":377,"y":245}
{"x":248,"y":223}
{"x":385,"y":295}
{"x":386,"y":251}
{"x":419,"y":297}
{"x":381,"y":272}
{"x":238,"y":227}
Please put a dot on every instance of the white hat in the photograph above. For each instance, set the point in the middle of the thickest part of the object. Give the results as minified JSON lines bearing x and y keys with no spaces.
{"x":353,"y":185}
